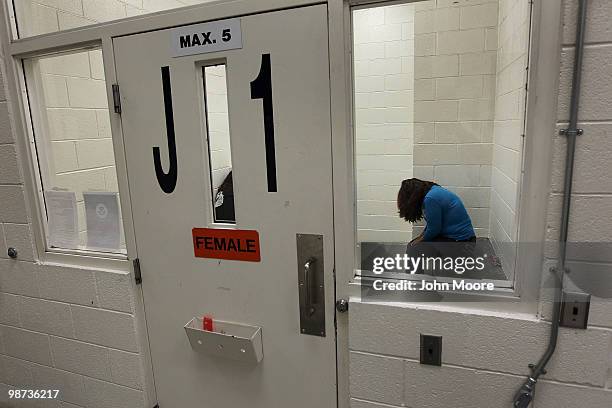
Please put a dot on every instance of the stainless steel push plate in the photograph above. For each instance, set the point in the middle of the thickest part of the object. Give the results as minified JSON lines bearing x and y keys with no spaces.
{"x":311,"y":281}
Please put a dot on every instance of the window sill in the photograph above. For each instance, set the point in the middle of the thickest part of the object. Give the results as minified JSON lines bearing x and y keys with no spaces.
{"x":501,"y":301}
{"x":503,"y":310}
{"x":87,"y":260}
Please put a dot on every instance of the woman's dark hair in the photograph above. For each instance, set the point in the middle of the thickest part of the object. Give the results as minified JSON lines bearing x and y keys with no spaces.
{"x":410,"y":198}
{"x":228,"y":184}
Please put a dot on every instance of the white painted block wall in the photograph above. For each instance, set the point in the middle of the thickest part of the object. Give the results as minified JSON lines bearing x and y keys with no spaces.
{"x":456,"y":48}
{"x":445,"y":55}
{"x":384,"y":95}
{"x":510,"y":93}
{"x":46,"y":16}
{"x":66,"y":328}
{"x":218,"y":124}
{"x":485,"y":355}
{"x":480,"y":351}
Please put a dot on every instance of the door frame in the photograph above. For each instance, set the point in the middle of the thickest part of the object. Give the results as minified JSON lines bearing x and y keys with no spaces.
{"x":101,"y":35}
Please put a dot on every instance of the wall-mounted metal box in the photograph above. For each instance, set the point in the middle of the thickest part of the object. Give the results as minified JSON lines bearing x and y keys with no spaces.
{"x":235,"y":341}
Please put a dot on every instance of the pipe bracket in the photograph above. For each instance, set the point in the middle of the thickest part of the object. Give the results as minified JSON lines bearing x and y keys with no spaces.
{"x":571,"y":132}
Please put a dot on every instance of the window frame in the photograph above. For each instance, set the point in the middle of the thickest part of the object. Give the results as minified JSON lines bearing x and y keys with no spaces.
{"x":208,"y":161}
{"x":503,"y":287}
{"x":540,"y":116}
{"x":29,"y":121}
{"x":42,"y":161}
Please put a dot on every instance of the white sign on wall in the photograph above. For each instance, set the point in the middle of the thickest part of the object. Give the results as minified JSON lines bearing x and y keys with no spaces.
{"x":207,"y":37}
{"x":103,"y":221}
{"x":62,"y":219}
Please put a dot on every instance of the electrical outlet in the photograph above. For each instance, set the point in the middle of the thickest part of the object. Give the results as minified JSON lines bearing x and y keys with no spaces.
{"x":431,"y":350}
{"x":575,"y":310}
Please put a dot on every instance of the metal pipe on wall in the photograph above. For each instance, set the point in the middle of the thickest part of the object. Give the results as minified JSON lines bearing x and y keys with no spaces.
{"x":525,"y":394}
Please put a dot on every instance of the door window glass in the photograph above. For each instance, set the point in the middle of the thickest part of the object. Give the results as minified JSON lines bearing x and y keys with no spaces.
{"x":219,"y":149}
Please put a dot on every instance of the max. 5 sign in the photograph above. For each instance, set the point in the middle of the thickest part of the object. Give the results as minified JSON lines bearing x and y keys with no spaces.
{"x":207,"y":37}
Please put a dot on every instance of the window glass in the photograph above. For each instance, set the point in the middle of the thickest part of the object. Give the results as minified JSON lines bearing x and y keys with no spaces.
{"x":36,"y":17}
{"x":74,"y":147}
{"x":439,"y":95}
{"x":220,"y":157}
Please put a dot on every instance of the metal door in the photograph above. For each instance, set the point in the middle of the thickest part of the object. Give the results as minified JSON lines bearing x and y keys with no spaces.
{"x":297,"y":369}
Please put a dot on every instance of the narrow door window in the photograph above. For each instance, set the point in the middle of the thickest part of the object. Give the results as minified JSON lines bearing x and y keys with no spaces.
{"x":219,"y":149}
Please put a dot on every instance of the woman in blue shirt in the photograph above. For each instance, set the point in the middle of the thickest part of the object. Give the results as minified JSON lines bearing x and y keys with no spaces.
{"x":447,"y":220}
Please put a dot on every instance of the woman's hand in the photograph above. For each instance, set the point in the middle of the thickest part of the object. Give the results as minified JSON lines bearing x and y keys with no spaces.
{"x":417,"y":239}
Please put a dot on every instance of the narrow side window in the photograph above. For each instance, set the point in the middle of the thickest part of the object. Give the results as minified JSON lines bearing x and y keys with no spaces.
{"x":74,"y":150}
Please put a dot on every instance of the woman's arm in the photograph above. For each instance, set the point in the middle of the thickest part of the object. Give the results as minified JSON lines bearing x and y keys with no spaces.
{"x":433,"y":216}
{"x":417,"y":239}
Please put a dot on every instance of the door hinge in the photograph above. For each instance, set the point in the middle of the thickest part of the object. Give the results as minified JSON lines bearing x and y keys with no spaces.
{"x":116,"y":98}
{"x":137,"y":273}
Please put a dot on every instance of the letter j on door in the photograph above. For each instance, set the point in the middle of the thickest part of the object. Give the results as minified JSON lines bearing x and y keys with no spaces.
{"x":230,"y":244}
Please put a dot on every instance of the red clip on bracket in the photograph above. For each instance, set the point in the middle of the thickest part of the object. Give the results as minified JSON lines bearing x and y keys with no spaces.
{"x":207,"y":323}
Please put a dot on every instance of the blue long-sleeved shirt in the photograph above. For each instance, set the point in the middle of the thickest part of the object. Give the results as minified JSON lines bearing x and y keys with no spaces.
{"x":446,"y":216}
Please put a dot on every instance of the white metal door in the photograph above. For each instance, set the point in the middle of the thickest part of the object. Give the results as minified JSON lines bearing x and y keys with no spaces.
{"x":297,"y":370}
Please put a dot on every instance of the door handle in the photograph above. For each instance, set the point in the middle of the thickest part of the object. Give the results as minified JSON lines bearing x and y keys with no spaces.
{"x":309,"y":283}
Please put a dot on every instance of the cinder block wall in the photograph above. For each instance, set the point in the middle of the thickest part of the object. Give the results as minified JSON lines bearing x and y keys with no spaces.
{"x":468,"y":86}
{"x":46,"y":309}
{"x":485,"y":355}
{"x":456,"y":51}
{"x":60,"y":328}
{"x":66,"y":328}
{"x":46,"y":16}
{"x":384,"y":94}
{"x":218,"y":124}
{"x":511,"y":77}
